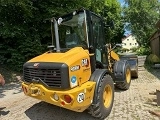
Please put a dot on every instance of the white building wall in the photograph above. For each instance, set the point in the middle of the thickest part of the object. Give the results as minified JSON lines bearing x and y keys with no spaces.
{"x":129,"y":42}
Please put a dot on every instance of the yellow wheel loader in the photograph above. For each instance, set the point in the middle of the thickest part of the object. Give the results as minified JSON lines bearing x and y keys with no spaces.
{"x":80,"y":71}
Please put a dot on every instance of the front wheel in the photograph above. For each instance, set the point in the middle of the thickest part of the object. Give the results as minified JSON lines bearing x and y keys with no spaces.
{"x":103,"y":99}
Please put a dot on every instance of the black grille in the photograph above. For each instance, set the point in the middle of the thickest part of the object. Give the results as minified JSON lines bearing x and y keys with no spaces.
{"x":51,"y":77}
{"x":50,"y":74}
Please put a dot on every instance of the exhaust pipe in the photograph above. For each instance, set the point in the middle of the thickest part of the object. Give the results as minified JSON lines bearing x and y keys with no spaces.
{"x":53,"y":20}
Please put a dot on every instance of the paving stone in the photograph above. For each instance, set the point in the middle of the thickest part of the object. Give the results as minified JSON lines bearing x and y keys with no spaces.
{"x":132,"y":104}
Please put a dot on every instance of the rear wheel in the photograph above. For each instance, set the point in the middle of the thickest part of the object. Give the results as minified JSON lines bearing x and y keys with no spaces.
{"x":135,"y":73}
{"x":104,"y":98}
{"x":127,"y":79}
{"x":136,"y":76}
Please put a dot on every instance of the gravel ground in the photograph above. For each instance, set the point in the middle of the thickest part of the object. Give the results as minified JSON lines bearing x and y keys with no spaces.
{"x":132,"y":104}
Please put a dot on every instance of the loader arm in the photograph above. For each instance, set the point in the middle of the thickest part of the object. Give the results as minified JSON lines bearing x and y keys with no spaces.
{"x":112,"y":57}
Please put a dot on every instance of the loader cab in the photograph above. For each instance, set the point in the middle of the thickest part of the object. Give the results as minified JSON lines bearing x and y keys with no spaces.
{"x":85,"y":29}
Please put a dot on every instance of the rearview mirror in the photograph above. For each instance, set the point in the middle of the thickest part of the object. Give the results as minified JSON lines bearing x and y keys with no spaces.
{"x":118,"y":45}
{"x":111,"y":24}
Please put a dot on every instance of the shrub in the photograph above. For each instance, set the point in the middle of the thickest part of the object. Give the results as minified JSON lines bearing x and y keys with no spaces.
{"x":134,"y":49}
{"x":143,"y":51}
{"x":152,"y":58}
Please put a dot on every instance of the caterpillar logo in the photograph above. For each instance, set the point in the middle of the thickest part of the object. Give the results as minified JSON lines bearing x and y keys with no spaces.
{"x":85,"y":62}
{"x":36,"y":64}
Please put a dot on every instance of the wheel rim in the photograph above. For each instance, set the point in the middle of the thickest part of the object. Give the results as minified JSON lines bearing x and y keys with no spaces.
{"x":107,"y":96}
{"x":128,"y":76}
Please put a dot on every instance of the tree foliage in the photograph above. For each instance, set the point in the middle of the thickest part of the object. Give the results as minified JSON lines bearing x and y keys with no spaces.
{"x":110,"y":10}
{"x":142,"y":16}
{"x":25,"y":25}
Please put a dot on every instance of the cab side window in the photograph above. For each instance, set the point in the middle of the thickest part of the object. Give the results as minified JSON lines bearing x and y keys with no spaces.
{"x":98,"y":37}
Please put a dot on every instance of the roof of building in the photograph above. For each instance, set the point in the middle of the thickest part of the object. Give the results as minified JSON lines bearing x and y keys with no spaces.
{"x":126,"y":37}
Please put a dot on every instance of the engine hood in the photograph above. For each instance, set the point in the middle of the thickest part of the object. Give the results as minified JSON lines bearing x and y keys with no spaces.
{"x":67,"y":57}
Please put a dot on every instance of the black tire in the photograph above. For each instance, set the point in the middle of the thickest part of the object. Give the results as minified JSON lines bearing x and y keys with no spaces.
{"x":127,"y":79}
{"x":136,"y":76}
{"x":102,"y":107}
{"x":135,"y":73}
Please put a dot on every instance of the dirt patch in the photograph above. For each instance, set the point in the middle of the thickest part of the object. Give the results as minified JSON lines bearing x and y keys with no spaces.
{"x":8,"y":74}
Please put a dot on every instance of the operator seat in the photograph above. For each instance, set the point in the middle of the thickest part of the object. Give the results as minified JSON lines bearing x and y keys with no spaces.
{"x":72,"y":40}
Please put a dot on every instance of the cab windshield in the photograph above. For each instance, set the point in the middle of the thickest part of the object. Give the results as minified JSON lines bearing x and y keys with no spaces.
{"x":73,"y":30}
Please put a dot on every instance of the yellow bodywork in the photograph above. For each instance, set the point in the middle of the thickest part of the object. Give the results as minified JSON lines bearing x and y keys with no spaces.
{"x":73,"y":57}
{"x":46,"y":95}
{"x":114,"y":56}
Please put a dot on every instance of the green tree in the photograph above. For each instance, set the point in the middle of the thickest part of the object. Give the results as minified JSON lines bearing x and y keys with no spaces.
{"x":25,"y":25}
{"x":142,"y":16}
{"x":110,"y":10}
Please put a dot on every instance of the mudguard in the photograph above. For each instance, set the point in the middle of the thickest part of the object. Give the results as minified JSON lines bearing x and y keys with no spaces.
{"x":133,"y":62}
{"x":97,"y":75}
{"x":119,"y":70}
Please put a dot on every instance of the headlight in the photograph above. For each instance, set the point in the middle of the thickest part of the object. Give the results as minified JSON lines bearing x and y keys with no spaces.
{"x":55,"y":97}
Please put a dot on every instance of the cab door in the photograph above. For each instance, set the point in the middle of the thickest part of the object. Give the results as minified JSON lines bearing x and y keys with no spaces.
{"x":98,"y":38}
